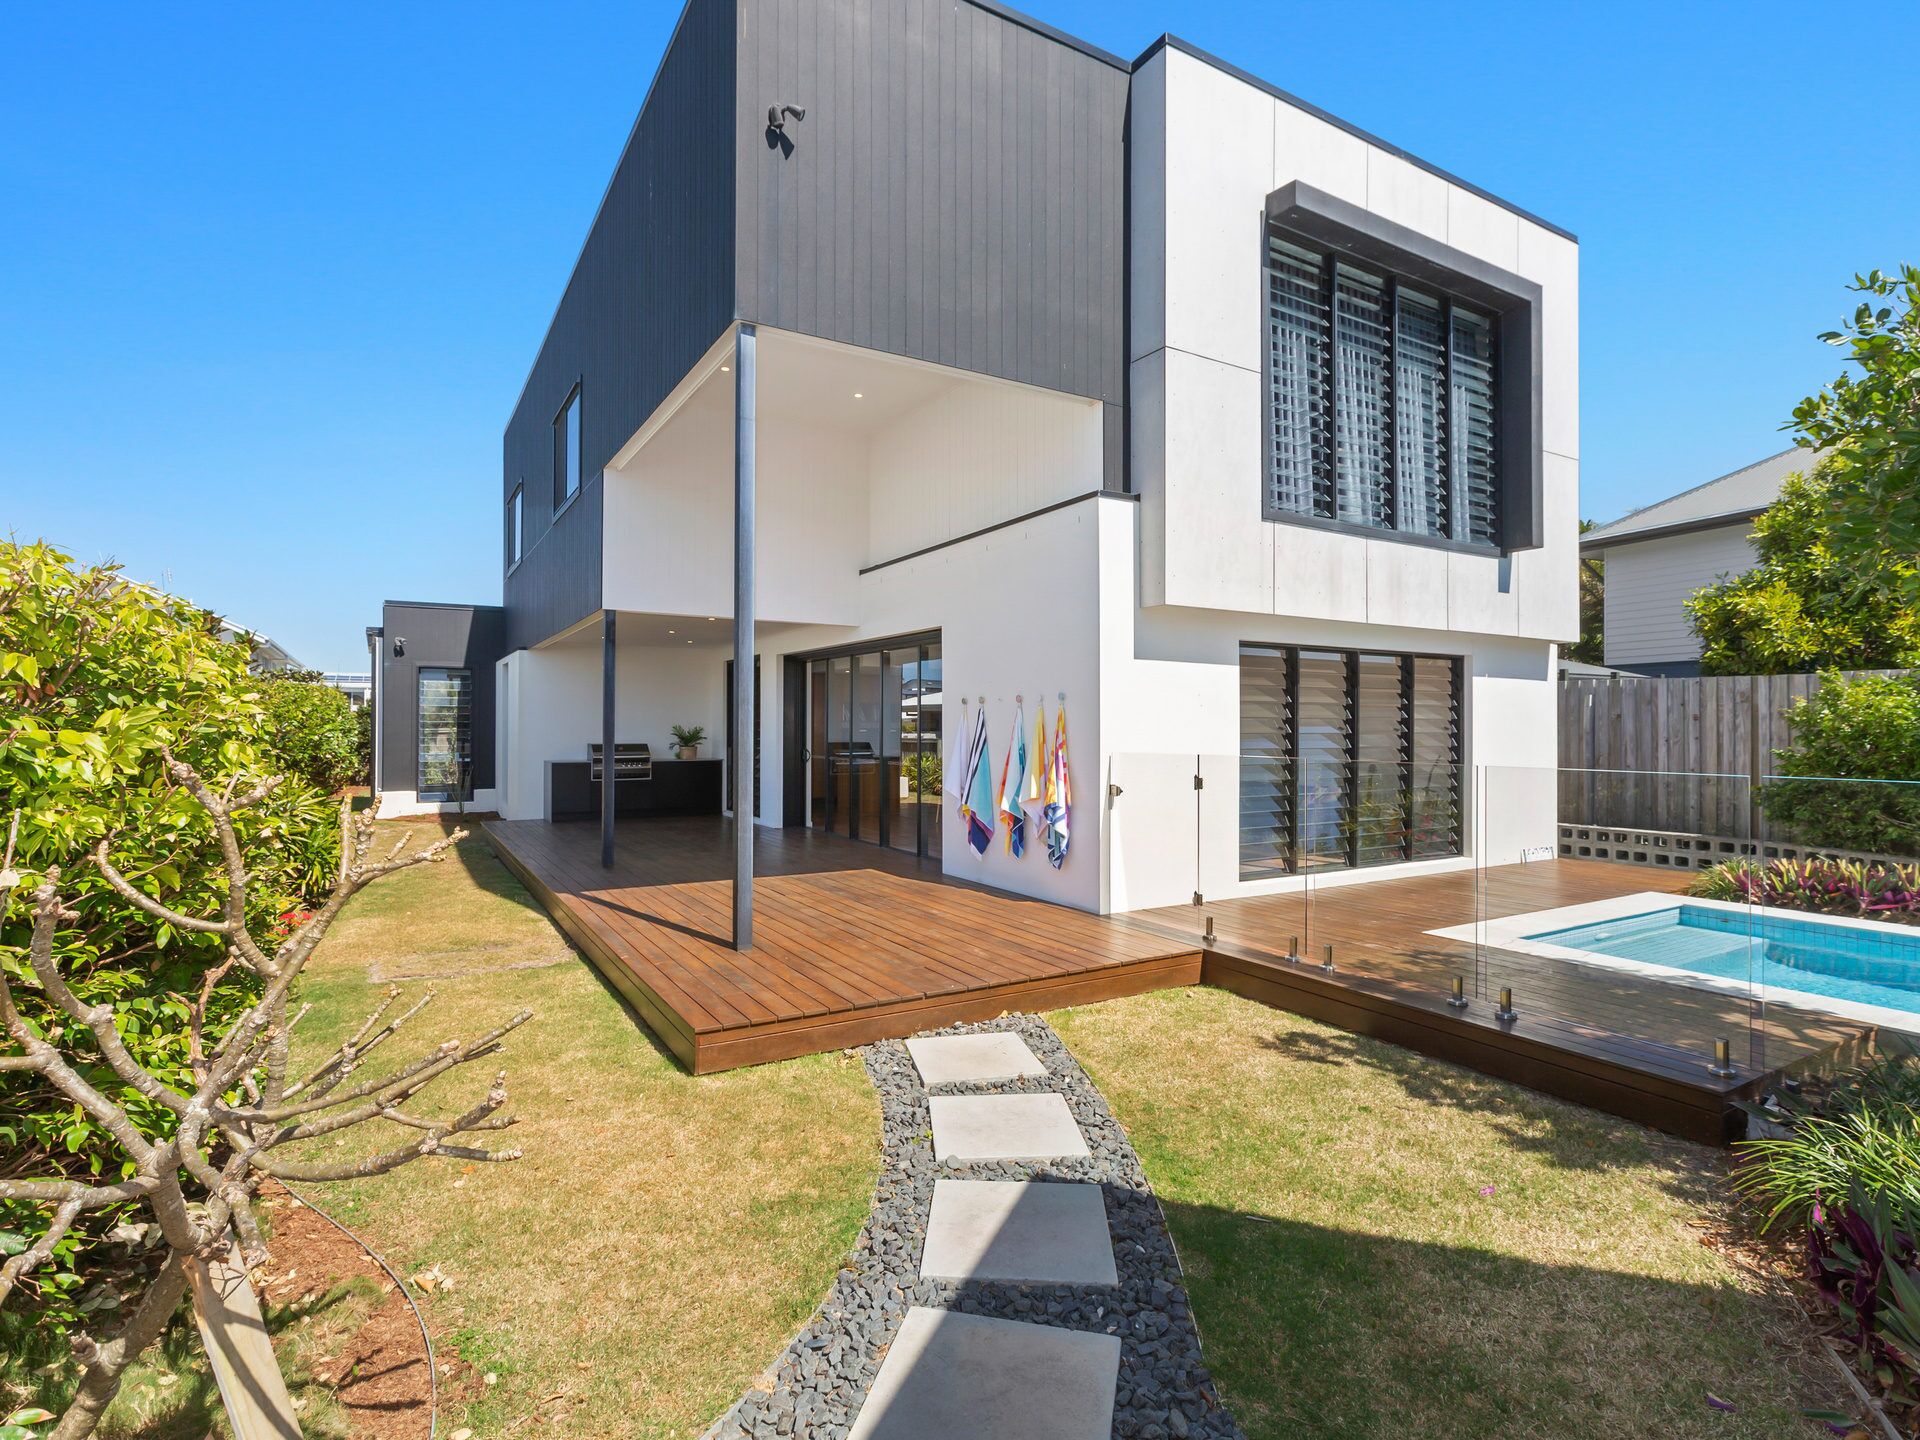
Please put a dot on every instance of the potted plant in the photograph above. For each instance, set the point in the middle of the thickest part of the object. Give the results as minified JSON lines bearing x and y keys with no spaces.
{"x":688,"y":739}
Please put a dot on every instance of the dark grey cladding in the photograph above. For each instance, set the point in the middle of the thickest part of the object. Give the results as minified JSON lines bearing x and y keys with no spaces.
{"x":459,"y":637}
{"x":955,"y":193}
{"x":652,"y":289}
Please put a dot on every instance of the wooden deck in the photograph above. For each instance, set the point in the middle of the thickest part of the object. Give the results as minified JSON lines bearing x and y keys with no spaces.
{"x":855,"y":943}
{"x":1622,"y":1042}
{"x":852,"y":943}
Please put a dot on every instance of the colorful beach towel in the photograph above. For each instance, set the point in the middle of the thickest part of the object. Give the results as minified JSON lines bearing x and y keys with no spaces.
{"x":978,"y":804}
{"x":1013,"y":779}
{"x":1058,"y":812}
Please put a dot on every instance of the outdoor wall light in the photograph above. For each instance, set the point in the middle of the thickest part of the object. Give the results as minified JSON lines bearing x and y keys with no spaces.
{"x":1506,"y":1012}
{"x":399,"y":645}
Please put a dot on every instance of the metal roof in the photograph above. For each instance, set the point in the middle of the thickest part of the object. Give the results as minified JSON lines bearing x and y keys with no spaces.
{"x":1735,"y":497}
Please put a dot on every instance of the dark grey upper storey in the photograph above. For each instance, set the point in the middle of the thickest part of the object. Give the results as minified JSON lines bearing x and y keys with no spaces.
{"x":955,"y":194}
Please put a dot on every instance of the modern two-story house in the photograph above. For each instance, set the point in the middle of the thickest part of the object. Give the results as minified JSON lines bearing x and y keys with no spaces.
{"x":1142,"y":389}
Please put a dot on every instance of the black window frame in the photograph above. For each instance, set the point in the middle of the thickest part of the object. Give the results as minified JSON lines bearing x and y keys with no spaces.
{"x":1280,"y":681}
{"x":516,"y":525}
{"x":569,"y":463}
{"x":1343,"y":233}
{"x":441,"y":794}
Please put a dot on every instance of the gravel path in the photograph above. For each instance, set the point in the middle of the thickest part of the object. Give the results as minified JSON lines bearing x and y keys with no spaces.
{"x":815,"y":1388}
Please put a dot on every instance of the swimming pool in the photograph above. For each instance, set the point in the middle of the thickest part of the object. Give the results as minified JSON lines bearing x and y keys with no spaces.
{"x":1864,"y":964}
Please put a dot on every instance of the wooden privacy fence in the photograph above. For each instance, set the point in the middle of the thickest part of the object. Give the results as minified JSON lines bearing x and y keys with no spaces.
{"x":1677,"y":753}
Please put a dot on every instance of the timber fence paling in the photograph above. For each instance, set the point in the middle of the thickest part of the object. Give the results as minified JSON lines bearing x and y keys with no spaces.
{"x":1676,"y":753}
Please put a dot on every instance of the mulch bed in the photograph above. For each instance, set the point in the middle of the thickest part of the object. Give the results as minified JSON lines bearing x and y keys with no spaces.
{"x":380,"y":1375}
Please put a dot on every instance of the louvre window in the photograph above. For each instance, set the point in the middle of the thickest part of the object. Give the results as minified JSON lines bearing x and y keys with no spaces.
{"x":1266,"y":760}
{"x":1347,"y":759}
{"x":516,"y":525}
{"x":446,"y":734}
{"x":1381,"y":406}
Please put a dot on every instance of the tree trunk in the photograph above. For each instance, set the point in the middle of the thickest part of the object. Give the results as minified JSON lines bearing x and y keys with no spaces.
{"x":100,"y":1381}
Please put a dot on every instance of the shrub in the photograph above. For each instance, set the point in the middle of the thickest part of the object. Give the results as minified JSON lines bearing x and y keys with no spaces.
{"x":1863,"y":1261}
{"x":99,"y":681}
{"x":1846,"y":734}
{"x":1848,"y":1168}
{"x":312,"y":734}
{"x":924,"y":772}
{"x":1861,"y":889}
{"x":1803,"y":606}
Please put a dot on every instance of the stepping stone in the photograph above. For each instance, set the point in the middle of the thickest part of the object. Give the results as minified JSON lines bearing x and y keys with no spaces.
{"x":1035,"y":1231}
{"x":1004,"y":1127}
{"x":973,"y":1059}
{"x":965,"y":1377}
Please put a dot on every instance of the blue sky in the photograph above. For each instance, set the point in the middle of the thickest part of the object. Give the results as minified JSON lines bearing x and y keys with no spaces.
{"x":269,"y":272}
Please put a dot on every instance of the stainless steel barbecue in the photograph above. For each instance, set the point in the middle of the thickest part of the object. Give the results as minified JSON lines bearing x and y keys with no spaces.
{"x":630,"y":762}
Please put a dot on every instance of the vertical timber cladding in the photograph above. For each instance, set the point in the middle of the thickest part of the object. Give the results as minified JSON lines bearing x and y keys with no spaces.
{"x":955,"y":193}
{"x":652,"y":290}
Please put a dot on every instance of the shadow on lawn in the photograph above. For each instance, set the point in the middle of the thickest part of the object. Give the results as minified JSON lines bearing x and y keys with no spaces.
{"x":1560,"y":1132}
{"x":1343,"y":1335}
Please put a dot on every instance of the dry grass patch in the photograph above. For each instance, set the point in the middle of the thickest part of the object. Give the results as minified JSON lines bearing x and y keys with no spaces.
{"x":1384,"y":1245}
{"x":664,"y":1235}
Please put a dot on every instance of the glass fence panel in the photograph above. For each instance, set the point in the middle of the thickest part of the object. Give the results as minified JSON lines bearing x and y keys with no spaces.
{"x":1153,"y":833}
{"x":1253,"y":899}
{"x":1590,"y":912}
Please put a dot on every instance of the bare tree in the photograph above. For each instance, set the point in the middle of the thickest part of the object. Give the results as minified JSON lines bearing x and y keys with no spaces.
{"x":245,"y":1107}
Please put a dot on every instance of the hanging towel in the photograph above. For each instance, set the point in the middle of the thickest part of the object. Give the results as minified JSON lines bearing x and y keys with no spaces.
{"x":1033,"y":793}
{"x":1013,"y":779}
{"x":1059,"y":802}
{"x":978,"y":804}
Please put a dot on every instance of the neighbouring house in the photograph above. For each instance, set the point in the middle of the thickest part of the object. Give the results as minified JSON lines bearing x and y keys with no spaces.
{"x":1659,"y":555}
{"x":357,"y":686}
{"x":1142,"y":384}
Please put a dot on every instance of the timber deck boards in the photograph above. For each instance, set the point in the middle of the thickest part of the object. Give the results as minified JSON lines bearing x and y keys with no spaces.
{"x":852,"y":942}
{"x":1627,"y":1043}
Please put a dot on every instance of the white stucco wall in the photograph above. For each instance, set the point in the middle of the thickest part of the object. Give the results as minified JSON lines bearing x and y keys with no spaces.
{"x":1170,"y":700}
{"x":1647,"y":588}
{"x":550,"y":708}
{"x":1207,"y":150}
{"x":668,"y":539}
{"x":1018,"y":614}
{"x":975,"y":455}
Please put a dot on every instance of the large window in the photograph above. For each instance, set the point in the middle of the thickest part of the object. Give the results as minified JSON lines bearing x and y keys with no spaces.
{"x":1382,"y":409}
{"x":516,"y":525}
{"x":446,"y":734}
{"x":1347,"y":759}
{"x":566,"y":450}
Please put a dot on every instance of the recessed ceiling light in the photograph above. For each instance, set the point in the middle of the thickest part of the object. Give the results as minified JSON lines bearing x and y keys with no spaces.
{"x":858,"y":396}
{"x":709,"y":619}
{"x":689,"y":642}
{"x":669,"y":632}
{"x":725,"y":369}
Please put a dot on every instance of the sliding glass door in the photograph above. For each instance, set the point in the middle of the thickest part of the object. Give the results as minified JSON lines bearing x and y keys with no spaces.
{"x":872,"y":745}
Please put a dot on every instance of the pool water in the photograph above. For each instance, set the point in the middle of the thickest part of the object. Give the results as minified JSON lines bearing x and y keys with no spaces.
{"x":1764,"y":949}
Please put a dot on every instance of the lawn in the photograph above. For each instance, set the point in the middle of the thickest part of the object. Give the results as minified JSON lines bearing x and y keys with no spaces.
{"x":664,"y":1235}
{"x":1384,"y":1245}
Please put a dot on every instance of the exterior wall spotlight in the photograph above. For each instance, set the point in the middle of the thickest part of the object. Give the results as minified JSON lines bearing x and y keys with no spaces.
{"x":778,"y":115}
